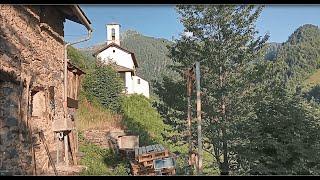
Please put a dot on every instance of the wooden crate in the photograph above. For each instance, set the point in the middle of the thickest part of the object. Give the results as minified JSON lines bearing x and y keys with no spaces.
{"x":126,"y":154}
{"x":148,"y":163}
{"x":148,"y":153}
{"x":168,"y":171}
{"x":135,"y":168}
{"x":144,"y":161}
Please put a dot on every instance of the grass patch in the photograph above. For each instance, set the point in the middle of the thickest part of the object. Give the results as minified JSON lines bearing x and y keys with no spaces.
{"x":313,"y":80}
{"x":142,"y":119}
{"x":94,"y":116}
{"x":101,"y":161}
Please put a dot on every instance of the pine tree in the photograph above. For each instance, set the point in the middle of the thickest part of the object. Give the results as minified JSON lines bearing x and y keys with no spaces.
{"x":224,"y":42}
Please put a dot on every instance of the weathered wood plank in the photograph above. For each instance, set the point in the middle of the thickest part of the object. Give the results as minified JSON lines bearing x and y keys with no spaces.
{"x":72,"y":103}
{"x":136,"y":151}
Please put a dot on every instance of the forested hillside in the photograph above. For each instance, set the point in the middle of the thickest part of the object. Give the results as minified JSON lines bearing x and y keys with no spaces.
{"x":151,"y":53}
{"x":255,"y":118}
{"x":271,"y":99}
{"x":301,"y":52}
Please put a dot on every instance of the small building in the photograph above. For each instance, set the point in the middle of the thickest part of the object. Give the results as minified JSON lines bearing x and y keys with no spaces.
{"x":123,"y":61}
{"x":34,"y":112}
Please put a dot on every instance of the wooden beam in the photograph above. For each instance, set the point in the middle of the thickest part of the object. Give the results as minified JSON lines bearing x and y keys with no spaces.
{"x":72,"y":103}
{"x":199,"y":118}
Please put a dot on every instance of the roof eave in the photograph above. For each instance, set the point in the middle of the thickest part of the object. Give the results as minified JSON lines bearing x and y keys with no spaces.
{"x":116,"y":45}
{"x":82,"y":16}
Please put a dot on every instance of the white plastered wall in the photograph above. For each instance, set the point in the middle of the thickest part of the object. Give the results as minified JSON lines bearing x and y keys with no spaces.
{"x":113,"y":54}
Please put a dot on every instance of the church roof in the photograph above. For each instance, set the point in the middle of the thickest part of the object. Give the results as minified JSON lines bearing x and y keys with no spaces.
{"x":105,"y":46}
{"x":121,"y":68}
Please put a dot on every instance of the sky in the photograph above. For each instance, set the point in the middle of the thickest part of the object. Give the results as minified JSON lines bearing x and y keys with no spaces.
{"x":162,"y":21}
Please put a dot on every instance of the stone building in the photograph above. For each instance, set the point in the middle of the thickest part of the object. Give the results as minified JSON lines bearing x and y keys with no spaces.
{"x":36,"y":128}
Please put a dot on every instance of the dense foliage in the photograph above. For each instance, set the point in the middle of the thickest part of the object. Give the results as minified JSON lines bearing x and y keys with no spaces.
{"x":255,"y":121}
{"x":101,"y":83}
{"x":81,"y":60}
{"x":260,"y":105}
{"x":105,"y":85}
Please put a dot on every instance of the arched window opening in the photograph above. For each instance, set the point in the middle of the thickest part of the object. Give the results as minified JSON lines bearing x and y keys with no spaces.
{"x":113,"y":34}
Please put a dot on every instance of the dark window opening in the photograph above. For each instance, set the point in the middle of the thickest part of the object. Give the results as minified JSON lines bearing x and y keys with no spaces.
{"x":123,"y":76}
{"x":114,"y":51}
{"x":113,"y":34}
{"x":51,"y":99}
{"x":138,"y":81}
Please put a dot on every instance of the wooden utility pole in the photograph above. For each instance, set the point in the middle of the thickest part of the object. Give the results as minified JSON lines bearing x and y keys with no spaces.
{"x":189,"y":74}
{"x":194,"y":75}
{"x":199,"y":118}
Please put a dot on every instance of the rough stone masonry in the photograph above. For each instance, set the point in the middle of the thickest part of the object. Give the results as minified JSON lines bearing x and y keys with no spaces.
{"x":31,"y":61}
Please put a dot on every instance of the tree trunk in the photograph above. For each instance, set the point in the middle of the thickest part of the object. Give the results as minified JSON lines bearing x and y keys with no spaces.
{"x":225,"y":165}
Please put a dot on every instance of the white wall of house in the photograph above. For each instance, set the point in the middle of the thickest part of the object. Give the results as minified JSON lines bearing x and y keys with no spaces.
{"x":140,"y":86}
{"x":120,"y":57}
{"x":129,"y":83}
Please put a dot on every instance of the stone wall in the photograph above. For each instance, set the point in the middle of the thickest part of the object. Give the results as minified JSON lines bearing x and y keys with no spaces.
{"x":31,"y":61}
{"x":97,"y":137}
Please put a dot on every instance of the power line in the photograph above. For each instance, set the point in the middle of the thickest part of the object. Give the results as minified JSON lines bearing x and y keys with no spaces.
{"x":74,"y":35}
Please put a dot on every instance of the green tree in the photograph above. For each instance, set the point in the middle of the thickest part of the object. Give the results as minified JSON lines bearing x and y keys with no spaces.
{"x":224,"y":42}
{"x":80,"y":59}
{"x":253,"y":122}
{"x":104,"y":85}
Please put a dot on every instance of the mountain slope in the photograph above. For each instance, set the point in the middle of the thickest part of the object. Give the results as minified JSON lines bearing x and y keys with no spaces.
{"x":150,"y":52}
{"x":271,"y":51}
{"x":301,"y":53}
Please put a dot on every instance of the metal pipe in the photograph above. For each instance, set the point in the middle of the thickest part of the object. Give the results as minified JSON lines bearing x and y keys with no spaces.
{"x":87,"y":24}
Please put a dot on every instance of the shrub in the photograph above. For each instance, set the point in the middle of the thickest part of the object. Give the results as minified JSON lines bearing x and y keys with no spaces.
{"x":104,"y":85}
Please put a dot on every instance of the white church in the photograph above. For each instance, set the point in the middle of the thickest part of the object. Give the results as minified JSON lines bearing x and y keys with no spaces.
{"x":123,"y":61}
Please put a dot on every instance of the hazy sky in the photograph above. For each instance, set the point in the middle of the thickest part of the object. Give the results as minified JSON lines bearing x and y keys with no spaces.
{"x":162,"y":21}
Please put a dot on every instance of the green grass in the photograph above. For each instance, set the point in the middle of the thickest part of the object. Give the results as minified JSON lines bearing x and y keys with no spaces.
{"x":101,"y":161}
{"x":313,"y":80}
{"x":142,"y":119}
{"x":94,"y":116}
